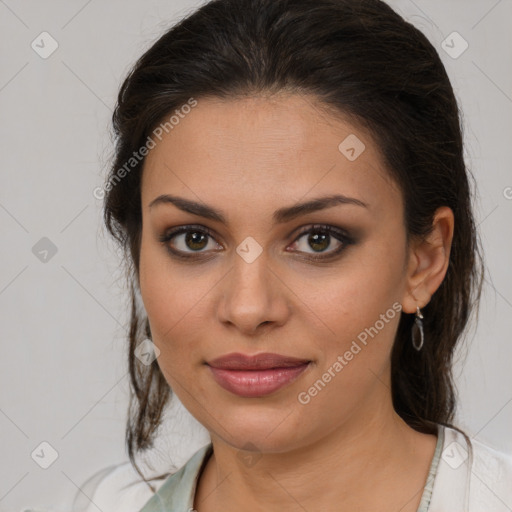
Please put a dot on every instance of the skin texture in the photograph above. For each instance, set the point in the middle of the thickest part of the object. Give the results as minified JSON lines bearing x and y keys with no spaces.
{"x":346,"y":449}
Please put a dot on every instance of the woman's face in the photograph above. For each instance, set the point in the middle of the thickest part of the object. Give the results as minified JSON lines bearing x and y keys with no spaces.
{"x":259,"y":281}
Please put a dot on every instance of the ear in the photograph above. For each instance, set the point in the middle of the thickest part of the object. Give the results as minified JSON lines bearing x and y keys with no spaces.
{"x":428,"y":261}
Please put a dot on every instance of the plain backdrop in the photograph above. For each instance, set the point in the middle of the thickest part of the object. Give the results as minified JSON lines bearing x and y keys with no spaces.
{"x":63,"y":372}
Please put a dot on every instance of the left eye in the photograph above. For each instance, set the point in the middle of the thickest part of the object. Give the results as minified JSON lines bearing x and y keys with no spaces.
{"x":320,"y":238}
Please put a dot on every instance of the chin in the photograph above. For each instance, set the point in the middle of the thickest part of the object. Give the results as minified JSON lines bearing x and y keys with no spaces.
{"x":253,"y":429}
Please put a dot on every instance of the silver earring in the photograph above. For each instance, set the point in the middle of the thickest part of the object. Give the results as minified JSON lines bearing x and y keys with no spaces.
{"x":417,"y":331}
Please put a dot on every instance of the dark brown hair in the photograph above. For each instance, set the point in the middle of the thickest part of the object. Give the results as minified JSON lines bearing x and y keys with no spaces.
{"x":362,"y":60}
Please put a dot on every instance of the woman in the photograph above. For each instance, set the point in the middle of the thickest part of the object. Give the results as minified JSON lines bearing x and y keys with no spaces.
{"x":290,"y":189}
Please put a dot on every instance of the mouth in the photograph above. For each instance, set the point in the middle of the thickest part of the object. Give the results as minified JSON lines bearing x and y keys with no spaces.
{"x":265,"y":361}
{"x":256,"y":376}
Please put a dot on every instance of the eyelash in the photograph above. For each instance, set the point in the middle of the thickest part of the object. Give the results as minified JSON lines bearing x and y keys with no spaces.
{"x":337,"y":233}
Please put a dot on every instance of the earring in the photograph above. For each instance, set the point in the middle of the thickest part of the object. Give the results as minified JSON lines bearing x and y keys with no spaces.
{"x":417,"y":330}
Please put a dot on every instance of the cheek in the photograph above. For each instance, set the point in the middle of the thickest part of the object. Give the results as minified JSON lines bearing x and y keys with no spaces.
{"x":359,"y":309}
{"x":163,"y":288}
{"x":175,"y":302}
{"x":362,"y":317}
{"x":354,"y":296}
{"x":162,"y":293}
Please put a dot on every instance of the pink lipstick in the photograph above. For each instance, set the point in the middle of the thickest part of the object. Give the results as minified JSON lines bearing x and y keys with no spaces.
{"x":258,"y":375}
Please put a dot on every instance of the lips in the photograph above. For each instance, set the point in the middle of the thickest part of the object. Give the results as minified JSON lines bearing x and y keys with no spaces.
{"x":256,"y":376}
{"x":264,"y":361}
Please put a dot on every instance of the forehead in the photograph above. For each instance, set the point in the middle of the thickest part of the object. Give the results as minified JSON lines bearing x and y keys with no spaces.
{"x":260,"y":147}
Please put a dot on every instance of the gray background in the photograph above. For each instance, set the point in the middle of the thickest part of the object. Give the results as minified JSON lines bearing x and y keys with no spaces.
{"x":63,"y":376}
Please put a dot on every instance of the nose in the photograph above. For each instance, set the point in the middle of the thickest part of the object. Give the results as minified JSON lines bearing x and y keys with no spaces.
{"x":253,"y":297}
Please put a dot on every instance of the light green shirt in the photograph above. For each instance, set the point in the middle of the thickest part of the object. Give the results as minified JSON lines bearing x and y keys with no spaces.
{"x":177,"y":493}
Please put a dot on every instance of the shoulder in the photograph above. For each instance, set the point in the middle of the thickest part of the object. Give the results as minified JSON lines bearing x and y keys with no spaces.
{"x":471,"y":477}
{"x":117,"y":487}
{"x":120,"y":487}
{"x":178,"y":490}
{"x":491,"y":476}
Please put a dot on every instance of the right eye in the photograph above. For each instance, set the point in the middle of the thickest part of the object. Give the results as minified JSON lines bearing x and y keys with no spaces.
{"x":187,"y":240}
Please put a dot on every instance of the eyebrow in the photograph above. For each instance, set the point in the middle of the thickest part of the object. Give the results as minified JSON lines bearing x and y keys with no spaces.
{"x":280,"y":216}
